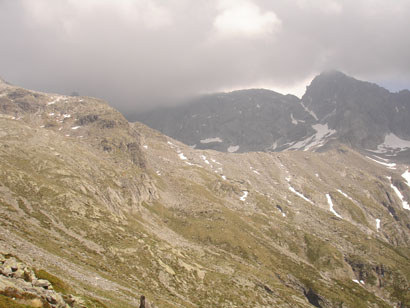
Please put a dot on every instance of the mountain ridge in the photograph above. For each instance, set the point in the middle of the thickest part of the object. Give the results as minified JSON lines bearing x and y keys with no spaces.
{"x":335,"y":107}
{"x":117,"y":210}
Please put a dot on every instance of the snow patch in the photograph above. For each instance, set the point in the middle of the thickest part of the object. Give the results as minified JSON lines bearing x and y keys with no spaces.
{"x":330,"y":202}
{"x":65,"y":116}
{"x":309,"y":111}
{"x":51,"y":114}
{"x":281,"y":211}
{"x":182,"y":156}
{"x":399,"y":194}
{"x":388,"y":165}
{"x":145,"y":146}
{"x":205,"y":159}
{"x":299,"y":194}
{"x":215,"y":162}
{"x":158,"y":172}
{"x":344,"y":195}
{"x":318,"y":139}
{"x":210,"y":140}
{"x":393,"y":143}
{"x":357,"y":281}
{"x":75,"y":127}
{"x":254,"y":171}
{"x":274,"y":146}
{"x":406,"y":176}
{"x":233,"y":148}
{"x":381,"y":158}
{"x":245,"y":194}
{"x":223,"y":177}
{"x":377,"y":224}
{"x":294,"y":121}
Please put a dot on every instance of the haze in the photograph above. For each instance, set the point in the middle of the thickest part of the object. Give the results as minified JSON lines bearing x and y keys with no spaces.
{"x":139,"y":54}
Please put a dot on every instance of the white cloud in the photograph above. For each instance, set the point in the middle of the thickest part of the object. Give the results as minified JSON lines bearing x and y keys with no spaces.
{"x":244,"y":18}
{"x":324,"y":6}
{"x":69,"y":13}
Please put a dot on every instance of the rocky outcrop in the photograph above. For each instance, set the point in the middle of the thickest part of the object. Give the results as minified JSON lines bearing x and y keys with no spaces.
{"x":18,"y":281}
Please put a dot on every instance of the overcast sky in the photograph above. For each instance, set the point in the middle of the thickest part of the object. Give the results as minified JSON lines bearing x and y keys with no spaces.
{"x":141,"y":53}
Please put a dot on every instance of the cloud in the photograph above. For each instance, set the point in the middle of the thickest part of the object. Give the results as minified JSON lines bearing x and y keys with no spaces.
{"x":138,"y":54}
{"x":244,"y":18}
{"x":70,"y":13}
{"x":324,"y":6}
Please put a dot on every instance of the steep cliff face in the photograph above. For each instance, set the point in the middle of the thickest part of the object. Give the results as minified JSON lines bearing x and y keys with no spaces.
{"x":362,"y":113}
{"x":116,"y":210}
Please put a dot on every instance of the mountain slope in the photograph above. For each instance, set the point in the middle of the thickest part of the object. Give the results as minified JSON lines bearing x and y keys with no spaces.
{"x":116,"y":210}
{"x":335,"y":107}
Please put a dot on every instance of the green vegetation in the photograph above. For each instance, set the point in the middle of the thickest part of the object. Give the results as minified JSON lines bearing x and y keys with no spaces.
{"x":94,"y":303}
{"x":322,"y":254}
{"x":7,"y":302}
{"x":58,"y":284}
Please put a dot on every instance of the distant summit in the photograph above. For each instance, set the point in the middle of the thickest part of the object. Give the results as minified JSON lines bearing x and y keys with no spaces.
{"x":336,"y":108}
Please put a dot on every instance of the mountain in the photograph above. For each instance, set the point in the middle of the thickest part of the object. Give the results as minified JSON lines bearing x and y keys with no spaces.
{"x":335,"y":108}
{"x":241,"y":121}
{"x":96,"y":211}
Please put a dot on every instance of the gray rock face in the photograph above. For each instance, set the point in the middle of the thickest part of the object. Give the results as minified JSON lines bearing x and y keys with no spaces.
{"x":241,"y":121}
{"x":362,"y":113}
{"x":335,"y":107}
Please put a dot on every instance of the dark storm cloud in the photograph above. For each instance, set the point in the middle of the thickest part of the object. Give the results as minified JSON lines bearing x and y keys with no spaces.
{"x":140,"y":53}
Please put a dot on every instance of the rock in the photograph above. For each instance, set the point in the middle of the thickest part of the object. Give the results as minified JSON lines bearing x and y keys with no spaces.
{"x":4,"y":284}
{"x":6,"y":270}
{"x":19,"y":274}
{"x":12,"y":263}
{"x":42,"y":283}
{"x":29,"y":275}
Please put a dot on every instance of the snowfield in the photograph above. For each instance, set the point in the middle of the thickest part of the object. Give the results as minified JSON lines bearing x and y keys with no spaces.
{"x":393,"y":143}
{"x":318,"y":139}
{"x":211,"y":140}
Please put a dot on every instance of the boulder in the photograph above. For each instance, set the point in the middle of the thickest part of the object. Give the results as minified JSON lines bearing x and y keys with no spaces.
{"x":42,"y":283}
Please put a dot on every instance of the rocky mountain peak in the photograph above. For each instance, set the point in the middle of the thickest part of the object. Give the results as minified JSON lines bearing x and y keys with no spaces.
{"x":336,"y":108}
